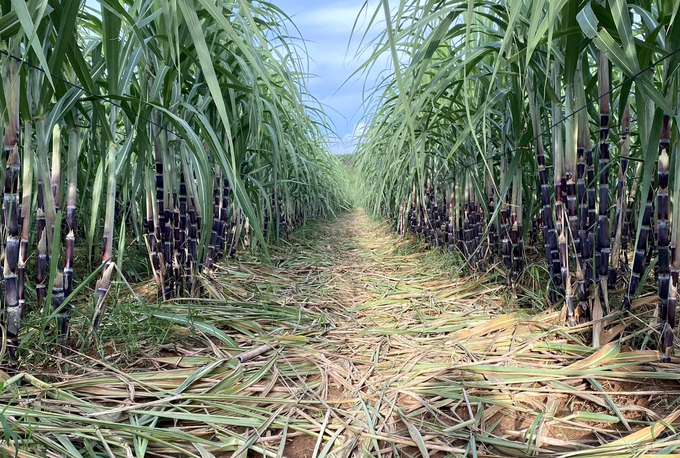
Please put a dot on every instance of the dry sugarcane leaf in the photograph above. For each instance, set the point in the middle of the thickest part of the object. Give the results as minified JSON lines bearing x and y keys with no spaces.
{"x":502,"y":322}
{"x":601,"y":357}
{"x":645,"y":435}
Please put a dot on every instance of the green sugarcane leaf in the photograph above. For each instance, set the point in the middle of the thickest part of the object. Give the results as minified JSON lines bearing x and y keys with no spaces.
{"x":31,"y":31}
{"x":54,"y":264}
{"x":588,"y":21}
{"x":621,"y":14}
{"x":97,"y":189}
{"x":87,"y":281}
{"x":415,"y":436}
{"x":202,"y":326}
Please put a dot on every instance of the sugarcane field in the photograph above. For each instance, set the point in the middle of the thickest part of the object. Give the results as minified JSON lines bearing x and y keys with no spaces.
{"x":339,"y":228}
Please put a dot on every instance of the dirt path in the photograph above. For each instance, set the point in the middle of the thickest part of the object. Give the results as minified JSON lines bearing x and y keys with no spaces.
{"x":434,"y":363}
{"x":363,"y":346}
{"x":428,"y":362}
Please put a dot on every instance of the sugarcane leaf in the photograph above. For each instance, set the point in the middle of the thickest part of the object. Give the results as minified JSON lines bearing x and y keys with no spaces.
{"x":416,"y":436}
{"x":588,"y":21}
{"x":68,"y":445}
{"x":203,"y":451}
{"x":97,"y":189}
{"x":621,"y":15}
{"x":31,"y":31}
{"x":610,"y":402}
{"x":121,"y":243}
{"x":202,"y":326}
{"x":596,"y":417}
{"x":645,"y":435}
{"x":255,"y":435}
{"x":201,"y":47}
{"x":82,"y":71}
{"x":56,"y":245}
{"x":81,"y":285}
{"x":602,"y":356}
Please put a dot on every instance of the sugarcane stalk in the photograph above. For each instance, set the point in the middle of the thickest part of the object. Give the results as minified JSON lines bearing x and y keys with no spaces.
{"x":176,"y":265}
{"x":641,"y":248}
{"x":192,"y":242}
{"x":578,"y":217}
{"x":549,"y":234}
{"x":451,"y":222}
{"x":432,"y":215}
{"x":224,"y":214}
{"x":160,"y":229}
{"x":467,"y":226}
{"x":56,"y":165}
{"x":70,"y":242}
{"x":151,"y":231}
{"x":216,"y":222}
{"x":58,"y":285}
{"x":491,"y":207}
{"x":48,"y":203}
{"x":588,"y":243}
{"x":104,"y":282}
{"x":663,"y":225}
{"x":45,"y":214}
{"x":183,"y":225}
{"x":570,"y":227}
{"x":516,"y":219}
{"x":506,"y":242}
{"x":442,"y":216}
{"x":603,"y":236}
{"x":560,"y":190}
{"x":62,"y":317}
{"x":26,"y":186}
{"x":460,"y":215}
{"x":168,"y":228}
{"x":267,"y":215}
{"x":533,"y":230}
{"x":11,"y":84}
{"x":193,"y":209}
{"x":667,"y":332}
{"x":627,"y":227}
{"x":237,"y":217}
{"x":621,"y":188}
{"x":478,"y":220}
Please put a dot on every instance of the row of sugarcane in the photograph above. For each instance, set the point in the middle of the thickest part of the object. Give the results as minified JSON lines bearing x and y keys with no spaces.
{"x":182,"y":149}
{"x":457,"y":223}
{"x":483,"y":119}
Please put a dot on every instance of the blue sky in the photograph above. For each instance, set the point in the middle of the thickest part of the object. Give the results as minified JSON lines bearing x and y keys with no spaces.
{"x":326,"y":27}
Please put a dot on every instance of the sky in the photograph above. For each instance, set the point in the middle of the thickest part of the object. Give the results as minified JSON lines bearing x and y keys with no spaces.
{"x":326,"y":26}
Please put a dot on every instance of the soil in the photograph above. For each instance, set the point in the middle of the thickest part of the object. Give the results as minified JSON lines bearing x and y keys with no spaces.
{"x":300,"y":447}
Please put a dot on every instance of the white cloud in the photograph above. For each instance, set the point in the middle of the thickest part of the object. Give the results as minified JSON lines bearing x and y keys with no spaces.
{"x":348,"y":143}
{"x":340,"y":147}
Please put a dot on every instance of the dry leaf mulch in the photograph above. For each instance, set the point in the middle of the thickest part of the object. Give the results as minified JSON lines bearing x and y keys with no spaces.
{"x":353,"y":344}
